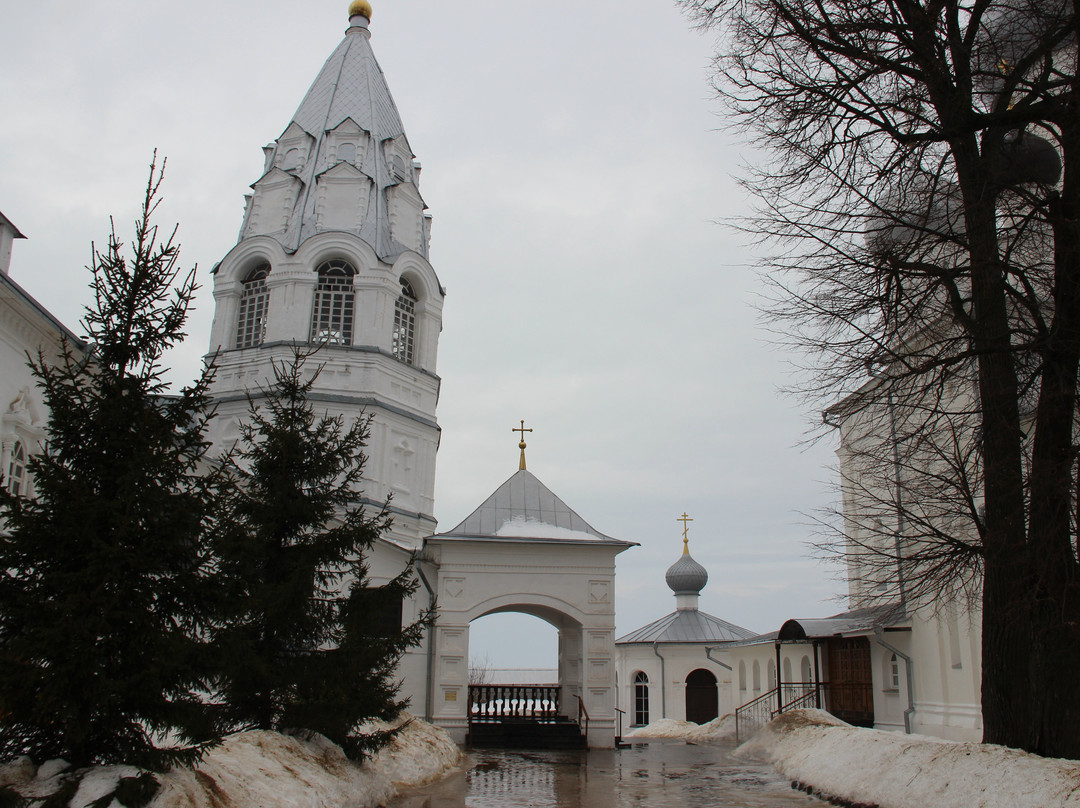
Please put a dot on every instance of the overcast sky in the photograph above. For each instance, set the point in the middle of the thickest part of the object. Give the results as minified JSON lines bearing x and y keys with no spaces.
{"x":573,"y":166}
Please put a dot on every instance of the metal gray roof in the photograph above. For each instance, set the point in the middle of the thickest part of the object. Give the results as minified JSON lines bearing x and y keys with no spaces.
{"x":846,"y":624}
{"x":858,"y":621}
{"x":687,"y":625}
{"x":14,"y":230}
{"x":524,"y":509}
{"x":350,"y":86}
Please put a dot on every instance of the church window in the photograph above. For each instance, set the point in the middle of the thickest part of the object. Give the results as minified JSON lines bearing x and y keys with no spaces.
{"x":770,"y":672}
{"x":404,"y":323}
{"x":807,"y":673}
{"x":742,"y":676}
{"x":787,"y":671}
{"x":346,"y":152}
{"x":641,"y":699}
{"x":254,"y":300}
{"x":332,"y":314}
{"x":16,"y":473}
{"x":892,"y":674}
{"x":757,"y":676}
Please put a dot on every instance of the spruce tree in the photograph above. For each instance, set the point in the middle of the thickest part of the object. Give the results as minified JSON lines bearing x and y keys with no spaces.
{"x":309,"y":644}
{"x":106,"y":562}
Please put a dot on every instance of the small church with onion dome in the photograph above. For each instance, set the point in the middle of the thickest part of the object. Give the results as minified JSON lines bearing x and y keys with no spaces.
{"x":680,"y":665}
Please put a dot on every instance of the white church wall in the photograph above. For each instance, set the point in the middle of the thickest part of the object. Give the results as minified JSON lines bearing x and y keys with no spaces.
{"x":24,"y":331}
{"x":890,"y":680}
{"x":667,"y":677}
{"x":947,"y":655}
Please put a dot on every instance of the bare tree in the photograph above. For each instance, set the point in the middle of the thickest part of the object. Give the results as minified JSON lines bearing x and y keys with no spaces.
{"x":480,"y":670}
{"x":930,"y":259}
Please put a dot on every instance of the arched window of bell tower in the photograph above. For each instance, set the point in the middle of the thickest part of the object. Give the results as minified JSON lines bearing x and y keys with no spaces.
{"x":254,"y":302}
{"x":332,"y":313}
{"x":404,"y":324}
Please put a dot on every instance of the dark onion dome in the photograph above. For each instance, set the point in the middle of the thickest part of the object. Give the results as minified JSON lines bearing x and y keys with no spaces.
{"x":686,"y":576}
{"x":1027,"y":158}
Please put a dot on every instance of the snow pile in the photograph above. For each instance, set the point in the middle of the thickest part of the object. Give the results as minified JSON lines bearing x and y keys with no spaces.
{"x":262,"y":769}
{"x":891,"y":770}
{"x":419,"y":754}
{"x":266,"y":769}
{"x":719,"y":729}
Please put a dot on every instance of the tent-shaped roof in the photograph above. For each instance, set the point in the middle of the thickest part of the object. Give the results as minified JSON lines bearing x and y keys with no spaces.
{"x":350,"y":87}
{"x":524,"y":509}
{"x":687,"y":626}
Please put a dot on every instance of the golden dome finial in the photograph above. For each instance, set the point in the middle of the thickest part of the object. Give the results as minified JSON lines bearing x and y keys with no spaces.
{"x":685,"y":532}
{"x":361,"y":7}
{"x":521,"y":445}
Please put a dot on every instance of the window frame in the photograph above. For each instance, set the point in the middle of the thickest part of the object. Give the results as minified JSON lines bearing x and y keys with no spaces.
{"x":641,"y":699}
{"x":403,"y":335}
{"x":333,"y":305}
{"x":16,"y":470}
{"x":253,"y":308}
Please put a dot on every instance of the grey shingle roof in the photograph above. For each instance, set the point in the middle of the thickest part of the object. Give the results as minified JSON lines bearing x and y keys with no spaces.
{"x":351,"y":85}
{"x":524,"y":509}
{"x":687,"y":625}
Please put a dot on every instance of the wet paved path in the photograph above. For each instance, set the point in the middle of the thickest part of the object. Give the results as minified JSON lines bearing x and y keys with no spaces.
{"x":659,"y":774}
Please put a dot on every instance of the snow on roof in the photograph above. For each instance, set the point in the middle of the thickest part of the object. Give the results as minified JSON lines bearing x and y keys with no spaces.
{"x":526,"y":528}
{"x":687,"y":625}
{"x":524,"y":508}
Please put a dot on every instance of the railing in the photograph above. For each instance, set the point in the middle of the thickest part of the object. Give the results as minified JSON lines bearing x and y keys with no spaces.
{"x":848,"y":701}
{"x":754,"y":714}
{"x":496,"y":703}
{"x":582,"y":717}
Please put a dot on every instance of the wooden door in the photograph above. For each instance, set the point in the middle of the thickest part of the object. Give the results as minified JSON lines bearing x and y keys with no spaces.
{"x":702,"y":701}
{"x":850,"y":692}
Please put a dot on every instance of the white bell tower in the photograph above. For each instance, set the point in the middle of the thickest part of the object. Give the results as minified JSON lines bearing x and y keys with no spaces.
{"x":333,"y":253}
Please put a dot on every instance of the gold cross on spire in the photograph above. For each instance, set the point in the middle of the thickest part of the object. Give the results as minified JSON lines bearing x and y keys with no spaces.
{"x":521,"y":445}
{"x":685,"y":532}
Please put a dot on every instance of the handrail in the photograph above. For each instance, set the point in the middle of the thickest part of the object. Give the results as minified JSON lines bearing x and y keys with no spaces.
{"x":581,"y":711}
{"x":790,"y":696}
{"x":493,"y":703}
{"x":755,"y":709}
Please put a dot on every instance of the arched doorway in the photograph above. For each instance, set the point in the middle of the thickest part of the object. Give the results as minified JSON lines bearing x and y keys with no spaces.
{"x":702,"y":702}
{"x":513,"y":647}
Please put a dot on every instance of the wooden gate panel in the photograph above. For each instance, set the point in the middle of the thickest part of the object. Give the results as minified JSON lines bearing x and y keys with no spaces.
{"x":850,"y":692}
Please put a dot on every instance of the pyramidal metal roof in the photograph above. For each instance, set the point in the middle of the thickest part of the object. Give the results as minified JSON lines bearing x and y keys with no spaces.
{"x":687,"y":625}
{"x":350,"y":86}
{"x":524,"y":509}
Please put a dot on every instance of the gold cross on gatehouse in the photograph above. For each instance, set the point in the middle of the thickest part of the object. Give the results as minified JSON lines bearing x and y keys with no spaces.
{"x":521,"y":445}
{"x":685,"y":531}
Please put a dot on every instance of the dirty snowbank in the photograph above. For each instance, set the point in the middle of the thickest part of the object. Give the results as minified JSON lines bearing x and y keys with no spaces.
{"x":890,"y":770}
{"x":719,"y":729}
{"x":264,"y":769}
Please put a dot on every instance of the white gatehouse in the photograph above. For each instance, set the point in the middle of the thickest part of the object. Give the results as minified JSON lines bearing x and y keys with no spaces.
{"x":524,"y":550}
